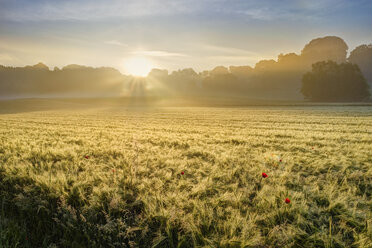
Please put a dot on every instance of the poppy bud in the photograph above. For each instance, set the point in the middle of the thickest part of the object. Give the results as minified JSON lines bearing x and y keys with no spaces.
{"x":264,"y":175}
{"x":182,"y":173}
{"x":86,"y":157}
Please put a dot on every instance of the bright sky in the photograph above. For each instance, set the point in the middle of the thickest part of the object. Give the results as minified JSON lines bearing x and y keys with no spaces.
{"x":172,"y":34}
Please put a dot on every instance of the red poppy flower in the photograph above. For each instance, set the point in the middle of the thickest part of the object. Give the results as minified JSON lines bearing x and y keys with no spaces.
{"x":182,"y":173}
{"x":264,"y":175}
{"x":86,"y":156}
{"x":287,"y":200}
{"x":280,"y":160}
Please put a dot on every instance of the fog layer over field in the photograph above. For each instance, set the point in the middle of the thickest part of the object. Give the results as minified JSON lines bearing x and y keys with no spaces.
{"x":268,"y":79}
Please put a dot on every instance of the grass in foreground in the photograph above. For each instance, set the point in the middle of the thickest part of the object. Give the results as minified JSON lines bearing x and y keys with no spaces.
{"x":98,"y":178}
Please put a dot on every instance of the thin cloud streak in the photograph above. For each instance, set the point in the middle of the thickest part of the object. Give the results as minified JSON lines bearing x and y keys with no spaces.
{"x":86,"y":10}
{"x":230,"y":50}
{"x":116,"y":43}
{"x":158,"y":54}
{"x":7,"y":59}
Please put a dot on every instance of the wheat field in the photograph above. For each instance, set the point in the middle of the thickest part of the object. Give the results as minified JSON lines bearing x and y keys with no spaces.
{"x":187,"y":177}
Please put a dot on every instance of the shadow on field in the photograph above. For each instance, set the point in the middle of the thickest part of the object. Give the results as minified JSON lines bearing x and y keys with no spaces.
{"x":13,"y":106}
{"x":32,"y":105}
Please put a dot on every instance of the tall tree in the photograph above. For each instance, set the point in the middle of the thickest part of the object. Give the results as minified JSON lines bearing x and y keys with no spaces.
{"x":362,"y":56}
{"x":329,"y":81}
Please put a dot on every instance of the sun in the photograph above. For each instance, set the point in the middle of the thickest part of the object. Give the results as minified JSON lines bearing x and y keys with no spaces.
{"x":138,"y":66}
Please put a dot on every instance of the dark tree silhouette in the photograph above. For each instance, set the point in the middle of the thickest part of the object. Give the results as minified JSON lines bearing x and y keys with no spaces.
{"x":329,"y":81}
{"x":327,"y":48}
{"x":362,"y":56}
{"x":71,"y":80}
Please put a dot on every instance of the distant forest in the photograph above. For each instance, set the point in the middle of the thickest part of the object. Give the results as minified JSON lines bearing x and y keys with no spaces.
{"x":281,"y":79}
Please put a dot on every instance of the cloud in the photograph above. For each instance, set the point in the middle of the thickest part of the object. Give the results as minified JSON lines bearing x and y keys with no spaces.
{"x":268,"y":10}
{"x":40,"y":10}
{"x":258,"y":14}
{"x":116,"y":43}
{"x":158,"y":54}
{"x":7,"y":59}
{"x":228,"y":50}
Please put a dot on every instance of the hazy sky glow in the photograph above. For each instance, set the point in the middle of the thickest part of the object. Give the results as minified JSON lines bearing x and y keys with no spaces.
{"x":172,"y":34}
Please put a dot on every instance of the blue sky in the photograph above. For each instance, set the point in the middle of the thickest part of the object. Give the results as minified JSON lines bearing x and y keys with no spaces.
{"x":173,"y":34}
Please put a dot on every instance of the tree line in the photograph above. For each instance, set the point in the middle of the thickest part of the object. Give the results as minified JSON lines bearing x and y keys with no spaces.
{"x":321,"y":72}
